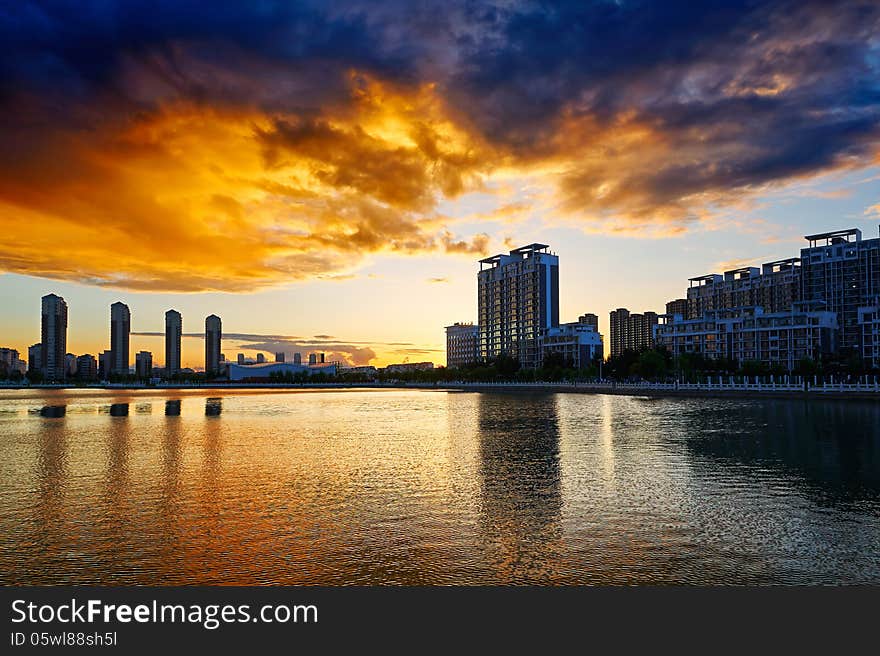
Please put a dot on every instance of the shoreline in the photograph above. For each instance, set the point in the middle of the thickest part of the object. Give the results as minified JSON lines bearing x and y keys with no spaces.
{"x":840,"y":392}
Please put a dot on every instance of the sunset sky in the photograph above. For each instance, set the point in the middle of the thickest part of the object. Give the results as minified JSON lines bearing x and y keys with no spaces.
{"x":324,"y":176}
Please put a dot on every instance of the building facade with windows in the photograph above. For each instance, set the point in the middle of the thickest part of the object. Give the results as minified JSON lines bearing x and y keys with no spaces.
{"x":53,"y":352}
{"x":173,"y":334}
{"x":517,"y":299}
{"x":842,"y":271}
{"x":143,"y":364}
{"x":630,"y":330}
{"x":578,"y":343}
{"x":750,"y":334}
{"x":462,"y":344}
{"x":120,"y":332}
{"x":213,"y":339}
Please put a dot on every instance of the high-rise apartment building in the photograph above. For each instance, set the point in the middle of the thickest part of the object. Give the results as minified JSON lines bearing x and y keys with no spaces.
{"x":143,"y":364}
{"x":518,"y":298}
{"x":841,"y":271}
{"x":213,"y":337}
{"x":173,"y":334}
{"x":104,"y":360}
{"x":261,"y":358}
{"x":120,"y":331}
{"x":773,"y":287}
{"x":35,"y":358}
{"x":631,"y":331}
{"x":589,"y":319}
{"x":750,"y":334}
{"x":678,"y":307}
{"x":279,"y":357}
{"x":462,"y":344}
{"x":54,"y":338}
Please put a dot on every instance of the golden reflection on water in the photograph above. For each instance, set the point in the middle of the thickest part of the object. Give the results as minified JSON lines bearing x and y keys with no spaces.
{"x":411,"y":487}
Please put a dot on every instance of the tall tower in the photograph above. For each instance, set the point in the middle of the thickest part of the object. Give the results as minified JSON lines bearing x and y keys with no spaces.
{"x":213,"y":335}
{"x":173,"y":332}
{"x":120,"y":330}
{"x":518,"y":298}
{"x":54,"y":337}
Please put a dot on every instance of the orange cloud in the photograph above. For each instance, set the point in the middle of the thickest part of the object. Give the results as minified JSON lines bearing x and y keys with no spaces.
{"x":191,"y":198}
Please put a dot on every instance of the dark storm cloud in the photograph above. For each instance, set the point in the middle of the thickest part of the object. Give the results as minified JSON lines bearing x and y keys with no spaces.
{"x":158,"y":136}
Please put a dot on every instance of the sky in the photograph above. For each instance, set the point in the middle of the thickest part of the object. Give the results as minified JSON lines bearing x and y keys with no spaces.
{"x":325,"y":176}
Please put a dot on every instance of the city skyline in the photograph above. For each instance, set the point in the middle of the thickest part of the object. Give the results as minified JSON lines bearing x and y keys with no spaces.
{"x":309,"y":193}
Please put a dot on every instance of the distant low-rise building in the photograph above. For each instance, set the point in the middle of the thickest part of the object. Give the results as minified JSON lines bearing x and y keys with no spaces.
{"x":462,"y":344}
{"x":404,"y":367}
{"x":363,"y":370}
{"x":268,"y":370}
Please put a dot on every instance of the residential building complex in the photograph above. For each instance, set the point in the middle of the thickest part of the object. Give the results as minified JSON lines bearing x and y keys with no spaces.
{"x":774,"y":287}
{"x":631,"y":331}
{"x":750,"y":334}
{"x":120,"y":331}
{"x":462,"y":344}
{"x":824,"y":301}
{"x":842,"y":270}
{"x":517,"y":299}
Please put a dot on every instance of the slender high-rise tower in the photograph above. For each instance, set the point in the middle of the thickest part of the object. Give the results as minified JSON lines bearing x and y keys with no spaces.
{"x":173,"y":332}
{"x":120,"y":330}
{"x":54,"y":334}
{"x":213,"y":335}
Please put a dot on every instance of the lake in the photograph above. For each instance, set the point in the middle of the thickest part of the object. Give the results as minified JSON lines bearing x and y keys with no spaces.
{"x":418,"y":487}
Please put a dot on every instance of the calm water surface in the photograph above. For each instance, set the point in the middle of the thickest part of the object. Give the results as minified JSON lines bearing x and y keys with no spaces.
{"x":420,"y":487}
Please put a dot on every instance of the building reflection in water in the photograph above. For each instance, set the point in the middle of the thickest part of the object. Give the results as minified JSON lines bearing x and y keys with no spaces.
{"x":830,"y":449}
{"x":213,"y":407}
{"x":521,"y":497}
{"x":51,"y":512}
{"x":119,"y":410}
{"x":170,"y":503}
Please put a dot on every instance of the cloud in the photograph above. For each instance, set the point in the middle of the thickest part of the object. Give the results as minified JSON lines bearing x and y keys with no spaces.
{"x":441,"y":280}
{"x":347,"y":351}
{"x":257,"y":144}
